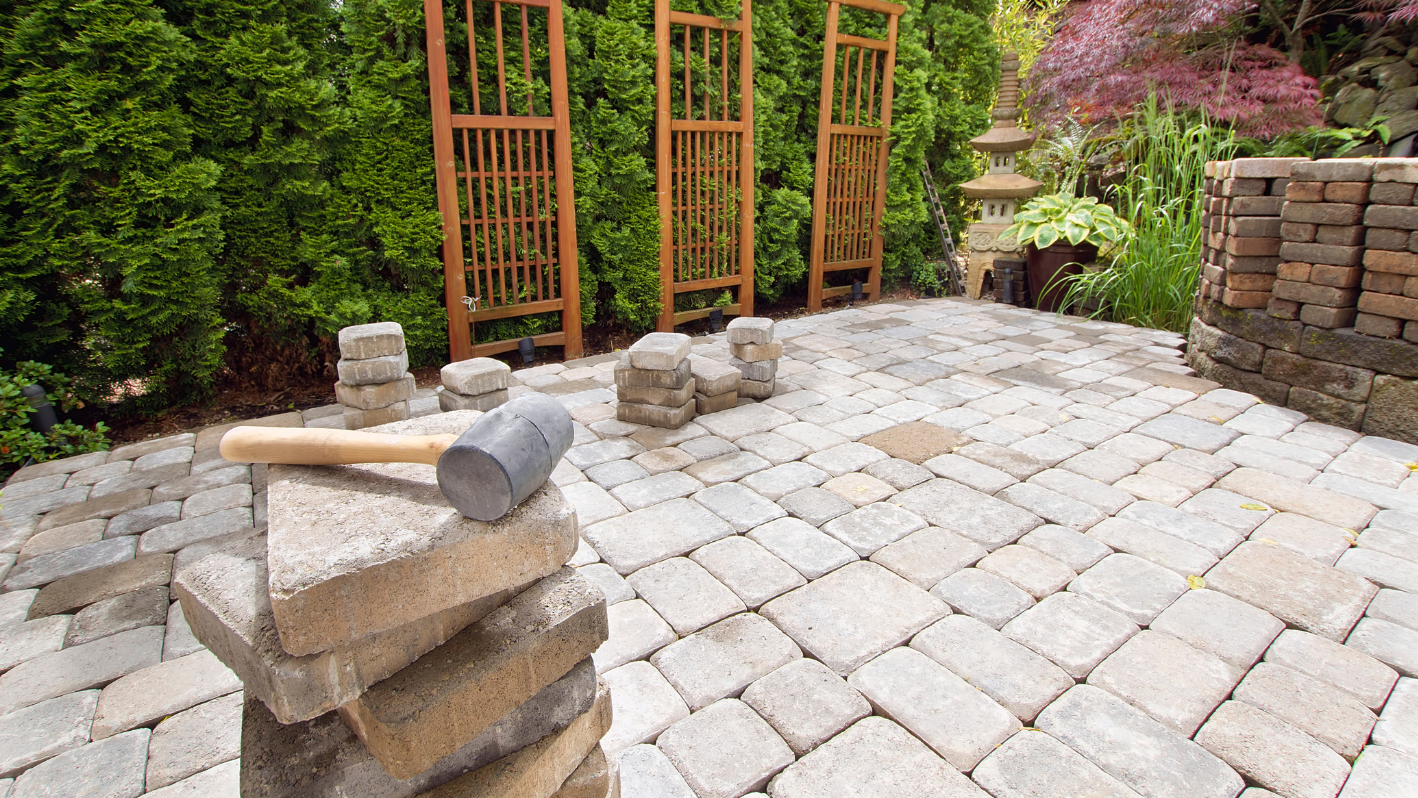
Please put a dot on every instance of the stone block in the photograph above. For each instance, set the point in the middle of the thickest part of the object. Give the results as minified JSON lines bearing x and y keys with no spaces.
{"x":374,"y":370}
{"x":684,"y":594}
{"x":1257,"y":206}
{"x":1395,"y":606}
{"x":68,"y":465}
{"x":983,"y":596}
{"x":1398,"y":725}
{"x":873,"y":527}
{"x":645,"y":705}
{"x":47,"y":729}
{"x":985,"y":519}
{"x":1399,"y":307}
{"x":177,"y":490}
{"x":79,"y":668}
{"x":1018,"y":679}
{"x":145,"y":607}
{"x":1327,"y":213}
{"x":713,"y":377}
{"x":1169,"y":680}
{"x":111,"y":768}
{"x":750,"y":330}
{"x":1215,"y":623}
{"x":1227,"y":348}
{"x":646,"y":773}
{"x":635,"y":633}
{"x":1328,"y":317}
{"x":723,"y":659}
{"x":661,"y":351}
{"x":375,"y":396}
{"x":853,"y":614}
{"x":1392,"y":406}
{"x":340,"y":537}
{"x":364,"y":341}
{"x":628,"y":376}
{"x":1193,"y":529}
{"x":181,"y":534}
{"x":1291,"y":496}
{"x":758,"y":371}
{"x":1273,"y":753}
{"x":745,"y":420}
{"x":230,"y":613}
{"x":929,"y":555}
{"x":1073,"y":631}
{"x":1327,"y":409}
{"x":360,"y":419}
{"x":1320,"y":710}
{"x":851,"y":764}
{"x":452,"y":694}
{"x":1321,"y":253}
{"x":322,"y":757}
{"x":663,"y":397}
{"x":1403,"y":264}
{"x":106,"y":506}
{"x":805,"y":703}
{"x":632,"y":541}
{"x":1352,"y":671}
{"x":1399,"y":217}
{"x":62,"y":537}
{"x":1032,"y":570}
{"x":449,"y":401}
{"x":148,"y":695}
{"x":748,"y":569}
{"x":101,"y":583}
{"x":1294,"y":588}
{"x":811,"y":552}
{"x":1154,"y":546}
{"x":1110,"y":733}
{"x":1130,"y":585}
{"x":699,"y":746}
{"x":58,"y":565}
{"x":1025,"y":762}
{"x":1389,"y":643}
{"x":475,"y":376}
{"x":653,"y":490}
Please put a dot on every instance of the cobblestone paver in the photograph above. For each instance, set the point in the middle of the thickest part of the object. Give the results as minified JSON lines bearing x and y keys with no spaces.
{"x":962,"y":550}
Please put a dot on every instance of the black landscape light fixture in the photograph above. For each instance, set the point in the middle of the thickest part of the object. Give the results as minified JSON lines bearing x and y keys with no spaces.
{"x":856,"y":293}
{"x":44,"y":418}
{"x":1008,"y":296}
{"x":528,"y":348}
{"x":716,"y":320}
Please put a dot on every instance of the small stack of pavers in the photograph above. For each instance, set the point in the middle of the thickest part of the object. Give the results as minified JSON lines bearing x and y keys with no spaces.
{"x":479,"y":383}
{"x":716,"y":384}
{"x":391,"y":647}
{"x":755,"y":355}
{"x":375,"y":384}
{"x":653,"y":384}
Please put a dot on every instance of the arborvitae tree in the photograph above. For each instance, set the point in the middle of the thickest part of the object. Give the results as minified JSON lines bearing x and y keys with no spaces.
{"x":112,"y":220}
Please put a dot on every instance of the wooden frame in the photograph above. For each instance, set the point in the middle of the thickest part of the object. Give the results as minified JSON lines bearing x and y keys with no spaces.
{"x":849,"y":187}
{"x":505,"y":188}
{"x":704,"y":166}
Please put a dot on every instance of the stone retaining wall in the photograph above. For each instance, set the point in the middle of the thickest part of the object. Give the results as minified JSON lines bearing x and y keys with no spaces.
{"x":1309,"y":288}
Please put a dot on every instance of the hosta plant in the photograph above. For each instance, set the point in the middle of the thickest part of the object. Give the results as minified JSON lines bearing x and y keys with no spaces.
{"x":1053,"y":218}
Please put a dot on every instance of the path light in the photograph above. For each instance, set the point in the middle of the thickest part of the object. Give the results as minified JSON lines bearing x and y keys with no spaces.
{"x":528,"y":348}
{"x":44,"y":418}
{"x":856,"y":293}
{"x":716,"y":320}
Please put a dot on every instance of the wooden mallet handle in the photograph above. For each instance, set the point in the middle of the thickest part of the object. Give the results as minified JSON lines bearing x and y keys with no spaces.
{"x":296,"y":446}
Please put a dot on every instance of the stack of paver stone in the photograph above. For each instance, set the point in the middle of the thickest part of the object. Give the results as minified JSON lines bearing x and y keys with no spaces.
{"x":1242,"y":208}
{"x":755,"y":355}
{"x":391,"y":647}
{"x":1388,"y":305}
{"x":479,"y":383}
{"x":375,"y":384}
{"x":653,"y":385}
{"x":1324,"y":243}
{"x":716,"y":384}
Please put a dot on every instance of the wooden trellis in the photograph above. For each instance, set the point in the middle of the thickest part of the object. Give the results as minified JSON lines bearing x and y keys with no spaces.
{"x":504,"y":176}
{"x":704,"y":157}
{"x":849,"y":190}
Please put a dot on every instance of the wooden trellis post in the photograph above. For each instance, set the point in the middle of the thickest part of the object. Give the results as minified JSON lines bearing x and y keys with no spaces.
{"x":704,"y":159}
{"x":849,"y":190}
{"x":505,"y":186}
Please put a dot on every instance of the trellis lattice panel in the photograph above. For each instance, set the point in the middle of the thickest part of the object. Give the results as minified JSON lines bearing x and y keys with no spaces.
{"x":502,"y":142}
{"x":704,"y":158}
{"x":854,"y":123}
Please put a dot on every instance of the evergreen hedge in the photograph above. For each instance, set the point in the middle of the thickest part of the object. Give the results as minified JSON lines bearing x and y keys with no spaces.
{"x":195,"y":192}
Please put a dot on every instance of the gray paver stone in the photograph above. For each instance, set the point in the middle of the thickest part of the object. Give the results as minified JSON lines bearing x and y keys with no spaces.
{"x":726,"y":468}
{"x":984,"y":519}
{"x":723,"y":659}
{"x":653,"y":490}
{"x":1111,"y":734}
{"x":179,"y":489}
{"x":475,"y":376}
{"x":744,"y":420}
{"x":142,"y":519}
{"x":1321,"y":542}
{"x":970,"y":473}
{"x":178,"y":640}
{"x":1050,"y":450}
{"x":1297,"y":497}
{"x":1271,"y":752}
{"x":379,"y":339}
{"x":1392,"y":542}
{"x":1012,"y":462}
{"x":25,"y":641}
{"x":1209,"y":535}
{"x":593,"y":505}
{"x":815,"y":505}
{"x":1089,"y":491}
{"x":748,"y":569}
{"x":646,"y":773}
{"x":806,"y":703}
{"x":1018,"y":679}
{"x":181,"y":534}
{"x":873,"y":526}
{"x":145,"y":607}
{"x":725,"y":750}
{"x":610,"y":582}
{"x":983,"y":596}
{"x":779,"y":481}
{"x":659,"y":350}
{"x":772,"y":447}
{"x":1102,"y":466}
{"x":111,"y":768}
{"x":152,"y":693}
{"x":750,"y":330}
{"x":1215,"y":623}
{"x":845,"y":458}
{"x":853,"y":614}
{"x":101,"y":583}
{"x":373,"y":370}
{"x":1188,"y":432}
{"x":799,"y":544}
{"x":194,"y":740}
{"x":644,"y":704}
{"x":816,"y":438}
{"x":1395,"y":606}
{"x":222,"y":780}
{"x":1320,"y":710}
{"x":632,"y":541}
{"x":1079,"y":552}
{"x":1073,"y":631}
{"x":1036,"y":572}
{"x":1142,"y":448}
{"x":1034,"y":765}
{"x":738,"y":505}
{"x":45,"y":730}
{"x":955,"y":719}
{"x":15,"y":606}
{"x":684,"y":594}
{"x":929,"y":555}
{"x":164,"y":458}
{"x":616,"y":473}
{"x":1382,"y":772}
{"x":636,"y":632}
{"x":216,"y":499}
{"x":1174,"y":683}
{"x":1351,"y":670}
{"x":899,"y":474}
{"x":1398,"y":725}
{"x":1130,"y":585}
{"x":1293,"y":588}
{"x":1389,"y":643}
{"x":1227,"y":509}
{"x":874,"y":758}
{"x":593,"y":454}
{"x":57,"y":565}
{"x":1382,"y":569}
{"x":67,"y":537}
{"x":1154,"y":546}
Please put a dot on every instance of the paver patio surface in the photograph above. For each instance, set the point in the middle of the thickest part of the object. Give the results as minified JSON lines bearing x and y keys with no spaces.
{"x":964,"y":549}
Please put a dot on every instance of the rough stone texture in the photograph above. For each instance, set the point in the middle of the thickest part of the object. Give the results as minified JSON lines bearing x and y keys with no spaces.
{"x":374,"y":370}
{"x":660,"y":351}
{"x":1174,"y":683}
{"x":646,"y":773}
{"x":146,"y":607}
{"x":1392,"y":406}
{"x":655,"y":415}
{"x":111,"y":768}
{"x":1032,"y":570}
{"x":101,"y":583}
{"x":1293,"y":588}
{"x":1130,"y":585}
{"x":80,"y":668}
{"x":192,"y":741}
{"x":750,"y":330}
{"x":1273,"y":753}
{"x":1318,"y":709}
{"x":70,"y":562}
{"x":988,"y":521}
{"x":802,"y":546}
{"x":45,"y":730}
{"x":1354,"y":672}
{"x":1073,"y":631}
{"x":725,"y":750}
{"x":1213,"y":622}
{"x":853,"y":614}
{"x":1288,"y":495}
{"x":363,"y":341}
{"x":1018,"y":679}
{"x":635,"y":632}
{"x":868,"y":529}
{"x":144,"y":696}
{"x":475,"y":376}
{"x":374,"y":397}
{"x":929,"y":555}
{"x":1389,"y":643}
{"x":1398,"y":725}
{"x":684,"y":594}
{"x":806,"y":703}
{"x":645,"y":705}
{"x":875,"y":758}
{"x":748,"y":569}
{"x":723,"y":659}
{"x":340,"y":536}
{"x":1033,"y":765}
{"x":915,"y":442}
{"x":983,"y":596}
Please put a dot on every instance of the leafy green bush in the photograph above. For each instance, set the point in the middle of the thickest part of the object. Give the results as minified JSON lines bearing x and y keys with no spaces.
{"x":18,"y":440}
{"x":1047,"y":220}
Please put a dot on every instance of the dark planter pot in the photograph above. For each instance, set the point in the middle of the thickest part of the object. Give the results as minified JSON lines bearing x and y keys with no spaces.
{"x":1047,"y":267}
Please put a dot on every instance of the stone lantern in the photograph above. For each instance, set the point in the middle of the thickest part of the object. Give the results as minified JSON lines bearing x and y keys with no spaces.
{"x":999,"y":189}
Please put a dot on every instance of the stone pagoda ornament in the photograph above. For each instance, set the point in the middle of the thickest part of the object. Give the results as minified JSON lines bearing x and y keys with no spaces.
{"x":999,"y":189}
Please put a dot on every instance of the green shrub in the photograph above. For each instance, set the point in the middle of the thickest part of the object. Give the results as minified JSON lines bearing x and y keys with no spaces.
{"x":19,"y":441}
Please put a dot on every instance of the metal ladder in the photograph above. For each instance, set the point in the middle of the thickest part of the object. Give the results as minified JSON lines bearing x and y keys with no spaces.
{"x":954,"y":278}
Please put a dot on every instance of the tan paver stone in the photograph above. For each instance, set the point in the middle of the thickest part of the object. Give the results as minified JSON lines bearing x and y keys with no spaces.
{"x":1273,"y":753}
{"x":748,"y":569}
{"x":725,"y":750}
{"x":1382,"y":771}
{"x":684,"y":594}
{"x":102,"y":583}
{"x":79,"y":668}
{"x":1321,"y":710}
{"x":723,"y":659}
{"x":915,"y":441}
{"x":111,"y":768}
{"x":1035,"y":572}
{"x":340,"y":536}
{"x":1290,"y":496}
{"x":853,"y":614}
{"x":873,"y":526}
{"x":47,"y":729}
{"x":1110,"y":733}
{"x":1382,"y":569}
{"x":1215,"y":623}
{"x":1130,"y":585}
{"x":659,"y":461}
{"x":645,"y":705}
{"x":1293,"y":588}
{"x":659,"y":438}
{"x":983,"y":596}
{"x":1034,"y":765}
{"x":806,"y":703}
{"x":1073,"y":631}
{"x":1018,"y":679}
{"x":62,"y":537}
{"x":1156,"y":547}
{"x":859,"y":489}
{"x":929,"y":555}
{"x":1389,"y":643}
{"x":646,"y":773}
{"x":1079,"y":552}
{"x":455,"y":692}
{"x":727,"y":468}
{"x":25,"y":641}
{"x":1174,"y":683}
{"x":875,"y":758}
{"x":1352,"y":671}
{"x":745,"y":420}
{"x":595,"y":777}
{"x":1209,"y":535}
{"x":194,"y":740}
{"x":322,"y":758}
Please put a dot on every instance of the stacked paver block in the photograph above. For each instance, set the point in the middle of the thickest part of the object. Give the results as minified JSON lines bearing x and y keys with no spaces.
{"x":755,"y":354}
{"x":479,"y":383}
{"x":375,"y":384}
{"x":716,"y":384}
{"x":1324,"y":243}
{"x":1388,"y":303}
{"x":1241,"y":213}
{"x":390,"y":646}
{"x":653,"y":384}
